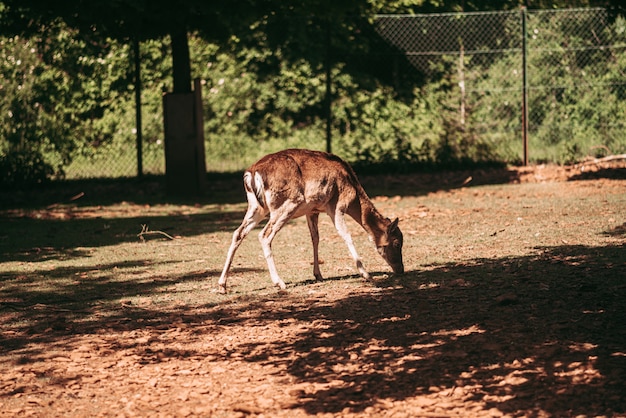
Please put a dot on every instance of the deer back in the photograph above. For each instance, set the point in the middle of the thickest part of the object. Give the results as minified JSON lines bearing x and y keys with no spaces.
{"x":314,"y":178}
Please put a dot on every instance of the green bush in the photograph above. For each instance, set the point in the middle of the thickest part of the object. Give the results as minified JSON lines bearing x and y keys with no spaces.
{"x":23,"y":169}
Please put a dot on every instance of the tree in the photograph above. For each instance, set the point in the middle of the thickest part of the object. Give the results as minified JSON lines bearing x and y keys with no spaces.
{"x":152,"y":19}
{"x":277,"y":55}
{"x":138,"y":20}
{"x":133,"y":19}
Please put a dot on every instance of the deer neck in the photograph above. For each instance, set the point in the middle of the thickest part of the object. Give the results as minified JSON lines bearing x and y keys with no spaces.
{"x":373,"y":222}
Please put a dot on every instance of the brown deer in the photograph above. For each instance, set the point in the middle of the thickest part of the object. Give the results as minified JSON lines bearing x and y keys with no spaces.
{"x":297,"y":182}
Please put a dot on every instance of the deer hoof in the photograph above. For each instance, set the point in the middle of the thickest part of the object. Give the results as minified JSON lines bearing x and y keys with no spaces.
{"x":221,"y":289}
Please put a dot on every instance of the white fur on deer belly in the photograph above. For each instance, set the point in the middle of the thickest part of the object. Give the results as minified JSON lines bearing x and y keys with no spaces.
{"x":309,"y":208}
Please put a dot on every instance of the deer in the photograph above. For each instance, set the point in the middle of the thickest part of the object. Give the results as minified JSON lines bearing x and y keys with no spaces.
{"x":297,"y":182}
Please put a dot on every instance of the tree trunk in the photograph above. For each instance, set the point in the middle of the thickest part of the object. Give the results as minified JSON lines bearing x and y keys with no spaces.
{"x":185,"y":168}
{"x":180,"y":61}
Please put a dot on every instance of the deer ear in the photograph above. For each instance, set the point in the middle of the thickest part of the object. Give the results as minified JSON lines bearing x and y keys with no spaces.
{"x":393,"y":225}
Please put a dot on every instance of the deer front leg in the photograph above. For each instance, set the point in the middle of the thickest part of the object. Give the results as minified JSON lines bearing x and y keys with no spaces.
{"x":340,"y":224}
{"x":311,"y":221}
{"x":251,"y":219}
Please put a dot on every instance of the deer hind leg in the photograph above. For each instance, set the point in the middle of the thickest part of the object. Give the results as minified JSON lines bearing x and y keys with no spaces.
{"x":340,"y":224}
{"x":311,"y":221}
{"x":253,"y":216}
{"x":278,"y":218}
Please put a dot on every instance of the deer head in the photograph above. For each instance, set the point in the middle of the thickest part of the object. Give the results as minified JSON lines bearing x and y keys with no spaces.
{"x":390,"y":248}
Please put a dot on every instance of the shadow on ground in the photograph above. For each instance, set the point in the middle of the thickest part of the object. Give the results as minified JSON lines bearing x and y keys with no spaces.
{"x":227,"y":187}
{"x":615,"y":173}
{"x":530,"y":336}
{"x":61,"y":218}
{"x":67,"y":237}
{"x":524,"y":335}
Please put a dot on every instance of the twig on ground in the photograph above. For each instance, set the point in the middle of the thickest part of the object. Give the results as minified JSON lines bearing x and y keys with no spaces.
{"x":145,"y":231}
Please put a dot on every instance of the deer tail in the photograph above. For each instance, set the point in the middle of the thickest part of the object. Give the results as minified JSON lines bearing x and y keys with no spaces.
{"x":254,"y":184}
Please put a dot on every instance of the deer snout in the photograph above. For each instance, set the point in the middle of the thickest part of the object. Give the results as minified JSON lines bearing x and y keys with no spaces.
{"x":398,"y":268}
{"x":393,"y":257}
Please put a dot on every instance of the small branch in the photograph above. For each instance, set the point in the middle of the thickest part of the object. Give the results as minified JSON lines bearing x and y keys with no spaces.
{"x":145,"y":231}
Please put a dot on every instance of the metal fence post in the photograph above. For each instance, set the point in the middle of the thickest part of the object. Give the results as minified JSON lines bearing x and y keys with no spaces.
{"x":139,"y":135}
{"x":525,"y":88}
{"x":329,"y":98}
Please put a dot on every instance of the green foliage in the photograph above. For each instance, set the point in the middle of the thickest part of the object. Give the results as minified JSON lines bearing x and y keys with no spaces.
{"x":21,"y":168}
{"x":255,"y":102}
{"x":578,"y":105}
{"x":31,"y":118}
{"x":61,"y":97}
{"x":68,"y":101}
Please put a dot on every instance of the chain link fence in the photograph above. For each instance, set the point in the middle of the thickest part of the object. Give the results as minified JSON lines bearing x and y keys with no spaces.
{"x":460,"y":48}
{"x":555,"y":79}
{"x":121,"y":161}
{"x":564,"y":69}
{"x":427,"y":39}
{"x":576,"y":82}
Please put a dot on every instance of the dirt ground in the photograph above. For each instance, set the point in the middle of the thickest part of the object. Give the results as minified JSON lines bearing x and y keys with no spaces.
{"x":479,"y":331}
